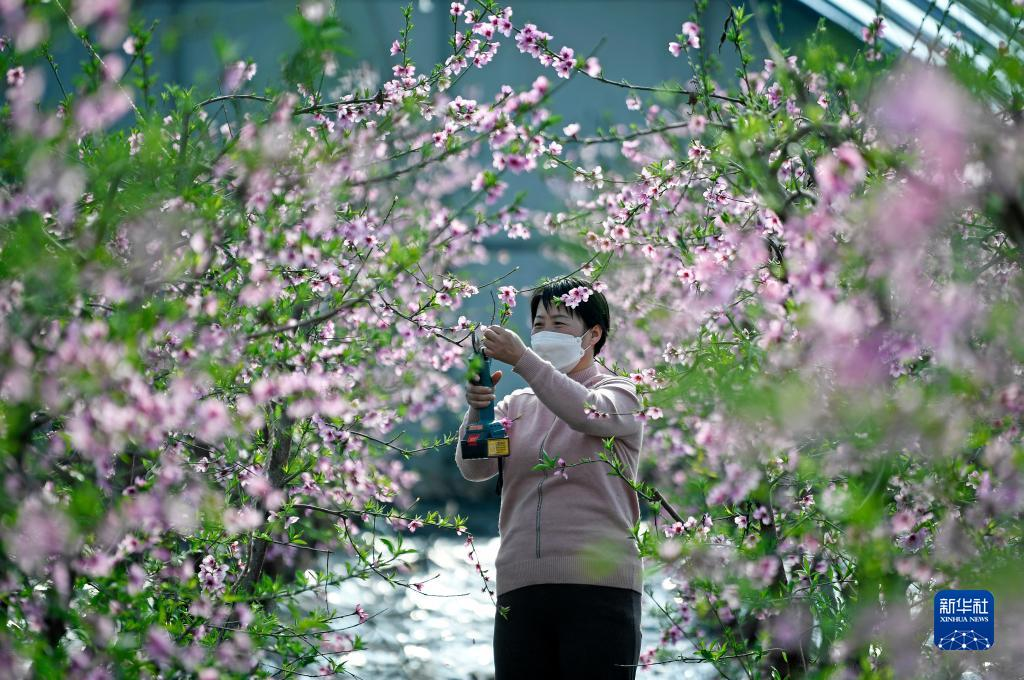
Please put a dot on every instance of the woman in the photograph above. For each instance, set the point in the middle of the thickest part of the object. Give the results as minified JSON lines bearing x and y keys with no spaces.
{"x":567,"y":566}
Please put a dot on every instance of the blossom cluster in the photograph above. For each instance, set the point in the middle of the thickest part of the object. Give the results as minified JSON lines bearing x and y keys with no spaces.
{"x":212,"y":575}
{"x":872,"y":34}
{"x":574,"y":297}
{"x":689,"y":37}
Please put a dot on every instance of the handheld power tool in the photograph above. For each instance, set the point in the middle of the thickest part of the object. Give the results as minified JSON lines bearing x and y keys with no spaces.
{"x":487,"y":438}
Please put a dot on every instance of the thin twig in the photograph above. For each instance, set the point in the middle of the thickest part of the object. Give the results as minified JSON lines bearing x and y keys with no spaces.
{"x":92,"y":50}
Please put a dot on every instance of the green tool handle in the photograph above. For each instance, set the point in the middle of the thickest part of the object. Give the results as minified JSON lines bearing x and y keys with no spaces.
{"x":487,"y":412}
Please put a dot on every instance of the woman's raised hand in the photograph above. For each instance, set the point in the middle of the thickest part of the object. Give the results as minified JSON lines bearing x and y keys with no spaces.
{"x":479,"y":396}
{"x":503,"y":344}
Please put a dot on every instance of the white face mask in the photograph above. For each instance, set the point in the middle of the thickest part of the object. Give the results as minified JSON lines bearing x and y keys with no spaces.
{"x":560,"y":349}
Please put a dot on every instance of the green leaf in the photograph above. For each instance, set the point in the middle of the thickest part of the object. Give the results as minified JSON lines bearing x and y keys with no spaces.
{"x":86,"y":506}
{"x":548,"y":463}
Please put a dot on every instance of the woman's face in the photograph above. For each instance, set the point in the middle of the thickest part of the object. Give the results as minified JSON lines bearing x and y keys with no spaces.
{"x":561,"y":321}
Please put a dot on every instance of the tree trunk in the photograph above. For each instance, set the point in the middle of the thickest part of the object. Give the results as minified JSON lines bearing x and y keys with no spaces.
{"x":280,"y":455}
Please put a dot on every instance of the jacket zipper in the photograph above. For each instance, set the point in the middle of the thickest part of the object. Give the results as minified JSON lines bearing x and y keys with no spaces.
{"x":540,"y":490}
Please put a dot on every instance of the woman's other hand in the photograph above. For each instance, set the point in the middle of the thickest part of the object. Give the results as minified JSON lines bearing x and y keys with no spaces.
{"x":479,"y":396}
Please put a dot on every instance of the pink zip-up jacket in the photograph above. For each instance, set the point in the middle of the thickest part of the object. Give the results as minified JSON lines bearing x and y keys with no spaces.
{"x":556,"y":530}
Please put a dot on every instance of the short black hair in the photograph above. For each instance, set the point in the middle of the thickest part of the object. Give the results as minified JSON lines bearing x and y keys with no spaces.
{"x":593,"y":311}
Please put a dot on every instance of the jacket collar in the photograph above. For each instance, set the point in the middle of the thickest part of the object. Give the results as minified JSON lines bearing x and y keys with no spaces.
{"x":584,"y":375}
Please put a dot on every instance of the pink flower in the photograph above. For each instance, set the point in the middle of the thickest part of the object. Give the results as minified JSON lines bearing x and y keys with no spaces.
{"x":650,"y":413}
{"x":99,"y":565}
{"x":673,"y":530}
{"x":771,"y":224}
{"x":839,"y":173}
{"x":560,"y":470}
{"x":159,"y":646}
{"x":130,"y":45}
{"x":697,"y":125}
{"x":212,"y":420}
{"x":414,"y":525}
{"x":540,"y":86}
{"x":236,"y":74}
{"x":211,"y":575}
{"x":396,"y":47}
{"x":16,"y":76}
{"x":136,"y":579}
{"x":564,"y":63}
{"x":1012,"y":399}
{"x":571,"y":130}
{"x":675,"y":48}
{"x":516,"y":162}
{"x":593,"y":67}
{"x":902,"y":521}
{"x":734,"y":488}
{"x":873,"y":31}
{"x":692,"y":33}
{"x":575,"y":296}
{"x":633,"y":103}
{"x":484,"y":29}
{"x":504,"y":26}
{"x":764,"y":570}
{"x":517,"y":230}
{"x":503,"y":23}
{"x":914,"y":540}
{"x":42,"y":531}
{"x":507,"y":294}
{"x":362,"y":613}
{"x":244,"y":519}
{"x":128,"y":545}
{"x":526,"y":40}
{"x":457,"y":9}
{"x":698,"y":153}
{"x":134,"y":143}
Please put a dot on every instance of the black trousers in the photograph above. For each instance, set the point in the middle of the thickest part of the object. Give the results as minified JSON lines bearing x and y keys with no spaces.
{"x":562,"y":631}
